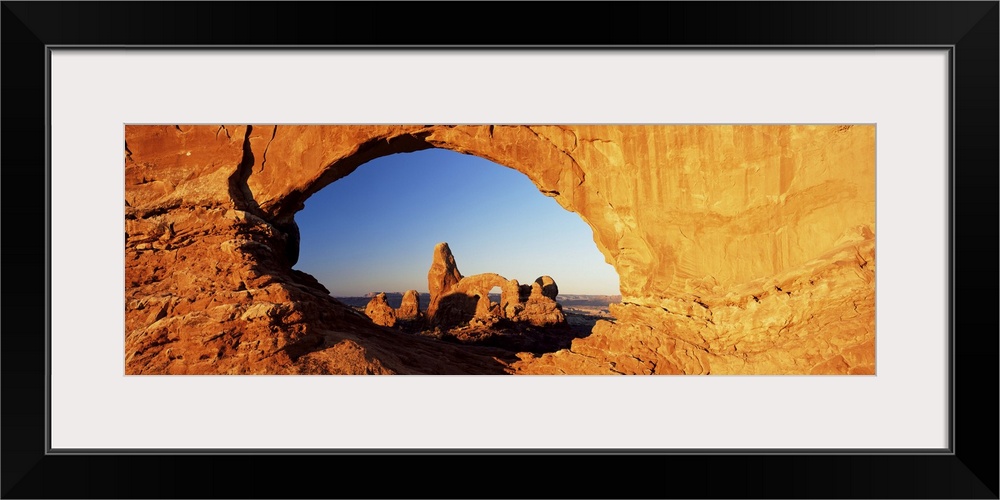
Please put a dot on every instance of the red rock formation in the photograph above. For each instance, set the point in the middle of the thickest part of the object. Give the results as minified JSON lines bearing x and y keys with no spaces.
{"x":486,"y":312}
{"x":379,"y":311}
{"x":209,"y":287}
{"x":468,"y":301}
{"x":409,"y":308}
{"x":794,"y":320}
{"x":478,"y":284}
{"x":703,"y":223}
{"x":540,"y":309}
{"x":442,"y":277}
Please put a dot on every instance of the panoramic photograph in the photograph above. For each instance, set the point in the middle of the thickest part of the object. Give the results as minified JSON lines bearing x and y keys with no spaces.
{"x":499,"y":249}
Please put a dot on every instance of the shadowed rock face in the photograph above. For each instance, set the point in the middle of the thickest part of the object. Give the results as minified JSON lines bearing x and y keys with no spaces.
{"x":470,"y":299}
{"x":740,"y":249}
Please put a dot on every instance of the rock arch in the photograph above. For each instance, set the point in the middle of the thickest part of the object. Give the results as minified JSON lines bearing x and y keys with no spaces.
{"x":699,"y":221}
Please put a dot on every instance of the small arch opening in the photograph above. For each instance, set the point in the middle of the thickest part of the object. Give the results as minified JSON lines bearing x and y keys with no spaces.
{"x":494,"y":295}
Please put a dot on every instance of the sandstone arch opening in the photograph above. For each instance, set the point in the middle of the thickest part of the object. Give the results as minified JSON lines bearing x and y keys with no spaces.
{"x":373,"y":232}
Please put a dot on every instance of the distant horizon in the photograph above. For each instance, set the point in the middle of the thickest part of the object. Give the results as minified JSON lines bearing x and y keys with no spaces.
{"x":375,"y":229}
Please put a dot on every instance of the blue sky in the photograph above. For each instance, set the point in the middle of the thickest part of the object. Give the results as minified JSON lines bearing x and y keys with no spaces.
{"x":375,"y":229}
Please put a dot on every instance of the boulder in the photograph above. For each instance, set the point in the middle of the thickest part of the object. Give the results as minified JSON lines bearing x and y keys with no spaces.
{"x":409,"y":309}
{"x":380,"y":312}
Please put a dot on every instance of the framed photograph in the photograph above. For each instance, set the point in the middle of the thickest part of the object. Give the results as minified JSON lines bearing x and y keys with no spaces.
{"x":807,"y":223}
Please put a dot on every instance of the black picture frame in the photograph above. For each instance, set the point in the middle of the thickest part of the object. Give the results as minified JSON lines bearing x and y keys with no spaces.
{"x":968,"y":470}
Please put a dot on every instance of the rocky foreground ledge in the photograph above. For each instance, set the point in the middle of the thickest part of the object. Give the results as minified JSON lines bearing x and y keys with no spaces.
{"x":740,"y":249}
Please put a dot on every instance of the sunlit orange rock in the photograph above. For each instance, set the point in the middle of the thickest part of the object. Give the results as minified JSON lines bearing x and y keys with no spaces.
{"x":541,"y":308}
{"x":380,"y":312}
{"x":442,"y":277}
{"x":409,"y":308}
{"x":740,"y":249}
